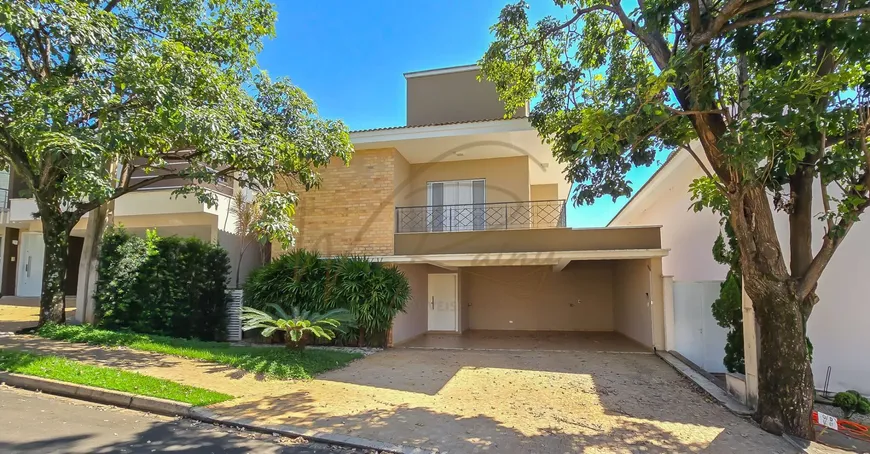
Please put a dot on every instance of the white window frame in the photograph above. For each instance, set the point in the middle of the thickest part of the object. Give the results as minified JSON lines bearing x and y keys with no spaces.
{"x":430,"y":208}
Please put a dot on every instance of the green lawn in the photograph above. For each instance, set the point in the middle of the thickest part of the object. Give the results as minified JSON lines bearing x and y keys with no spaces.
{"x":272,"y":362}
{"x":66,"y":370}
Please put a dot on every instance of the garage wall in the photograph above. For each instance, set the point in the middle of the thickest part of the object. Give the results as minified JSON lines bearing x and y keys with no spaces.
{"x":414,"y":321}
{"x":579,"y":298}
{"x":631,"y":288}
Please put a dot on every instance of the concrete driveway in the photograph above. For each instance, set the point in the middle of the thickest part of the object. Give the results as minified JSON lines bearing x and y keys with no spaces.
{"x":512,"y":402}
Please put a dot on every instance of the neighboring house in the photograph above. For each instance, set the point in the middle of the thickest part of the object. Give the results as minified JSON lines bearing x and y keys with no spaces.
{"x":838,"y":325}
{"x":153,"y":207}
{"x":471,"y":206}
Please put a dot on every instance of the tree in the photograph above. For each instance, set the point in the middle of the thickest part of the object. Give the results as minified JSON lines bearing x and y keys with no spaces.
{"x":102,"y":98}
{"x":775,"y":94}
{"x":247,"y":217}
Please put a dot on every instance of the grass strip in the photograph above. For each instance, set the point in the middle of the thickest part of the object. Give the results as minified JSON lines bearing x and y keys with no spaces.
{"x":62,"y":369}
{"x":272,"y":362}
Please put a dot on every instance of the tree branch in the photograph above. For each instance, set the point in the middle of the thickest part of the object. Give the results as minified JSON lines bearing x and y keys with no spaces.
{"x":836,"y":234}
{"x":679,"y":112}
{"x":83,"y":208}
{"x":829,"y":245}
{"x":654,"y":42}
{"x":809,"y":15}
{"x":26,"y":57}
{"x":700,"y":163}
{"x":111,"y":5}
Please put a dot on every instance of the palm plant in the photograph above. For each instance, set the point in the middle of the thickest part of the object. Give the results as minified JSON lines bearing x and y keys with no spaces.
{"x":297,"y":326}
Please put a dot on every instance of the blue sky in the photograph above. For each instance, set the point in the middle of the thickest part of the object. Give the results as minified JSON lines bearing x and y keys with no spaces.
{"x":349,"y":56}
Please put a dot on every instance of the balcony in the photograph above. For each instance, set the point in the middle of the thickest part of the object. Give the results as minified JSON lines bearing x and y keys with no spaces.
{"x":544,"y":214}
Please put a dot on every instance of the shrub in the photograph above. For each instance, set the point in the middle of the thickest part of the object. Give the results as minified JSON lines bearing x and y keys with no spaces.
{"x":373,"y":292}
{"x":169,"y":286}
{"x":852,"y":402}
{"x":298,"y":326}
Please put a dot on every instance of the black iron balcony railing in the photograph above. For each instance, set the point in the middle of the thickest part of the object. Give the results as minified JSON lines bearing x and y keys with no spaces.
{"x":481,"y":216}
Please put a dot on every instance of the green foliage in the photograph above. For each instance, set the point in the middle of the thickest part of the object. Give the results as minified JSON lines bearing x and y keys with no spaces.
{"x":297,"y":325}
{"x":169,"y":286}
{"x":617,"y":82}
{"x":62,"y":369}
{"x":852,"y":402}
{"x":149,"y":85}
{"x":728,"y":308}
{"x":272,"y":362}
{"x":93,"y":92}
{"x":372,"y":292}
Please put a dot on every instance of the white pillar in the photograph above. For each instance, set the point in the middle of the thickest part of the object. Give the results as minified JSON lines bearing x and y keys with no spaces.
{"x":750,"y":350}
{"x":668,"y":293}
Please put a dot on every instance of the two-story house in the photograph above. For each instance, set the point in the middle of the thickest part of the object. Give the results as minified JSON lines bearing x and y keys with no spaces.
{"x":153,"y":207}
{"x":472,"y":207}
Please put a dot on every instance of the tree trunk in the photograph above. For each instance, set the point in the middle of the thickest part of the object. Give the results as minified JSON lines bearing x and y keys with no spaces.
{"x":56,"y":234}
{"x":785,"y":381}
{"x":785,"y":378}
{"x":295,"y":345}
{"x":98,"y":221}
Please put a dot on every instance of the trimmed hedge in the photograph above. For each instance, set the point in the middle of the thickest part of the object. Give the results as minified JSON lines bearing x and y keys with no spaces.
{"x":168,"y":286}
{"x":373,"y":292}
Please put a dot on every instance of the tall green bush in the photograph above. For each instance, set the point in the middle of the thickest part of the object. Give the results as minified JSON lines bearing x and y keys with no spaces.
{"x":373,"y":292}
{"x":170,"y":286}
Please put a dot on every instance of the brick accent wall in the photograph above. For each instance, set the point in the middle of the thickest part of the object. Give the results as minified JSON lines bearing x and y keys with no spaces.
{"x":353,"y":211}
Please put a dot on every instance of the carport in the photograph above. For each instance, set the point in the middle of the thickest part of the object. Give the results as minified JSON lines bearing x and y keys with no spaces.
{"x":586,"y":304}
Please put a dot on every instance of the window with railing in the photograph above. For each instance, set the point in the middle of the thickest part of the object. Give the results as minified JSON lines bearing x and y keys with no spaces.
{"x":481,"y":216}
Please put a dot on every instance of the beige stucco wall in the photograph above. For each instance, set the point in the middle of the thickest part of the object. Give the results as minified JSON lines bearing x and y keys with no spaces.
{"x":631,"y":289}
{"x":507,"y":179}
{"x":401,"y":179}
{"x":579,"y":298}
{"x":544,"y":191}
{"x":457,"y":96}
{"x":352,"y":211}
{"x":414,"y":320}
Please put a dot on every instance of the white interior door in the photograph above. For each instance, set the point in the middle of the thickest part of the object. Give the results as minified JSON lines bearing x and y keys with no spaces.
{"x":30,"y":257}
{"x":443,"y":302}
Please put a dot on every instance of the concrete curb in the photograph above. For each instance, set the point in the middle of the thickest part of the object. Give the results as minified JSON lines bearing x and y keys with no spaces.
{"x":172,"y":408}
{"x":708,"y":386}
{"x":97,"y":395}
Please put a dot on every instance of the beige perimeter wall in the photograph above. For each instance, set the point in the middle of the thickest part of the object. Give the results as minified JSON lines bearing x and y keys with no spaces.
{"x":579,"y":298}
{"x":631,"y":289}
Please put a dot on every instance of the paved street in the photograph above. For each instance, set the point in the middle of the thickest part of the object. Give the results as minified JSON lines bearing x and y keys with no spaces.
{"x":39,"y":423}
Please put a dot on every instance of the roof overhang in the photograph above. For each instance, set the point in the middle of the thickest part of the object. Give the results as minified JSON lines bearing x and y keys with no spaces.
{"x":470,"y":141}
{"x":557,"y":259}
{"x":374,"y":138}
